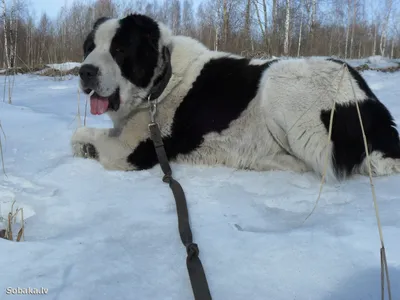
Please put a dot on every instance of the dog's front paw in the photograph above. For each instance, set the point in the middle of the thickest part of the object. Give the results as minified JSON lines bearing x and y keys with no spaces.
{"x":82,"y":143}
{"x":85,"y":150}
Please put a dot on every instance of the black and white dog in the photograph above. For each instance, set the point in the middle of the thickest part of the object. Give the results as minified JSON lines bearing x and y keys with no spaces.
{"x":218,"y":108}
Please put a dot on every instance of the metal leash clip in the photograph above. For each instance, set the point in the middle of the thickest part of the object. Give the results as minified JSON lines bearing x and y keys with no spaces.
{"x":153,"y":109}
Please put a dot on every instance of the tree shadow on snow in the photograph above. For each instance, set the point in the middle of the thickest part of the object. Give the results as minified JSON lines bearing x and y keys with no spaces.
{"x":366,"y":286}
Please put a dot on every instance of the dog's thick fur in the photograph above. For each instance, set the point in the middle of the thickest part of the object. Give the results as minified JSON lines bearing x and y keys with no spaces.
{"x":218,"y":108}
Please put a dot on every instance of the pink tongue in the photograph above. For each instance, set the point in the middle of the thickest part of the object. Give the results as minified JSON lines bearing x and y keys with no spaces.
{"x":98,"y":105}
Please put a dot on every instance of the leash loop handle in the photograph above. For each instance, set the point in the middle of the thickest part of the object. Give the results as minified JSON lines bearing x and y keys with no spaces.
{"x":192,"y":250}
{"x":167,"y":179}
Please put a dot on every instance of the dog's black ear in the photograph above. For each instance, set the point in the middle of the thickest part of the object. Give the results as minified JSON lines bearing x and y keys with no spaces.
{"x":100,"y":21}
{"x":138,"y":37}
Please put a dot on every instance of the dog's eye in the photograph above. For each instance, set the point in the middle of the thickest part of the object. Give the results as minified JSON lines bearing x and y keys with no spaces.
{"x":119,"y":50}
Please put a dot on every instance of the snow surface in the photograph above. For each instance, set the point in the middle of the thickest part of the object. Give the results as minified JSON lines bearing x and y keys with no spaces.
{"x":65,"y":66}
{"x":97,"y":234}
{"x":376,"y":61}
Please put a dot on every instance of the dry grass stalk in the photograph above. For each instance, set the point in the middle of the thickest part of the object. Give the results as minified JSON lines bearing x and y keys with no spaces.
{"x":20,"y":234}
{"x":383,"y":251}
{"x":1,"y":149}
{"x":21,"y":231}
{"x":384,"y":265}
{"x":11,"y":219}
{"x":9,"y":233}
{"x":84,"y":119}
{"x":5,"y":85}
{"x":79,"y":109}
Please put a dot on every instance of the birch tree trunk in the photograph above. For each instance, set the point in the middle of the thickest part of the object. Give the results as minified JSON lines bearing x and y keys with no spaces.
{"x":392,"y":50}
{"x":16,"y":18}
{"x":274,"y":15}
{"x":312,"y":25}
{"x":11,"y":31}
{"x":260,"y":22}
{"x":347,"y":42}
{"x":385,"y":27}
{"x":382,"y":45}
{"x":247,"y":32}
{"x":217,"y":27}
{"x":347,"y":30}
{"x":176,"y":16}
{"x":263,"y":24}
{"x":265,"y":19}
{"x":314,"y":12}
{"x":216,"y":39}
{"x":225,"y":23}
{"x":374,"y":44}
{"x":4,"y":15}
{"x":352,"y":29}
{"x":300,"y":30}
{"x":275,"y":46}
{"x":287,"y":25}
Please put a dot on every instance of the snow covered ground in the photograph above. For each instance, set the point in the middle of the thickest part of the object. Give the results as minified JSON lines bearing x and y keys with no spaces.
{"x":376,"y":61}
{"x":64,"y":66}
{"x":96,"y":234}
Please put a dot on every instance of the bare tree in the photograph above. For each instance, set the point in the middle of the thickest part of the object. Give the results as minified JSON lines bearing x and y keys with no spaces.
{"x":382,"y":45}
{"x":287,"y":26}
{"x":5,"y":29}
{"x":262,"y":20}
{"x":274,"y":15}
{"x":225,"y":22}
{"x":247,"y":21}
{"x":188,"y":18}
{"x":300,"y":29}
{"x":176,"y":16}
{"x":218,"y":27}
{"x":313,"y":21}
{"x":353,"y":27}
{"x":375,"y":35}
{"x":392,"y":49}
{"x":13,"y":31}
{"x":348,"y":27}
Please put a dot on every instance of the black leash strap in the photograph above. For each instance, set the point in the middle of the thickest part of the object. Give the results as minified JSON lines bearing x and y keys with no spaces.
{"x":197,"y":276}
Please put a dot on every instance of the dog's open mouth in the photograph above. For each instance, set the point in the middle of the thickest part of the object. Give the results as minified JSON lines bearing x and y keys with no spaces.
{"x":100,"y":105}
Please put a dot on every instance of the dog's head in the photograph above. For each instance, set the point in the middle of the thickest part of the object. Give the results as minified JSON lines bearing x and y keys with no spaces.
{"x":125,"y":61}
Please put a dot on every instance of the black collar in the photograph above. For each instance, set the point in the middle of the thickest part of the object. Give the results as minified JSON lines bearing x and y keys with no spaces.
{"x":161,"y":81}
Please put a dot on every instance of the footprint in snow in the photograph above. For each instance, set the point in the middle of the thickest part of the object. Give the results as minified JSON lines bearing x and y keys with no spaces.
{"x":21,"y":185}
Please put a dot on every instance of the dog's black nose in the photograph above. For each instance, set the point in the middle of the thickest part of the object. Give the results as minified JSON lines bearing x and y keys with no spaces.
{"x":88,"y":73}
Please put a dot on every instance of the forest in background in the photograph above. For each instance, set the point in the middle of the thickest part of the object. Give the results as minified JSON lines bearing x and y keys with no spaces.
{"x":253,"y":28}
